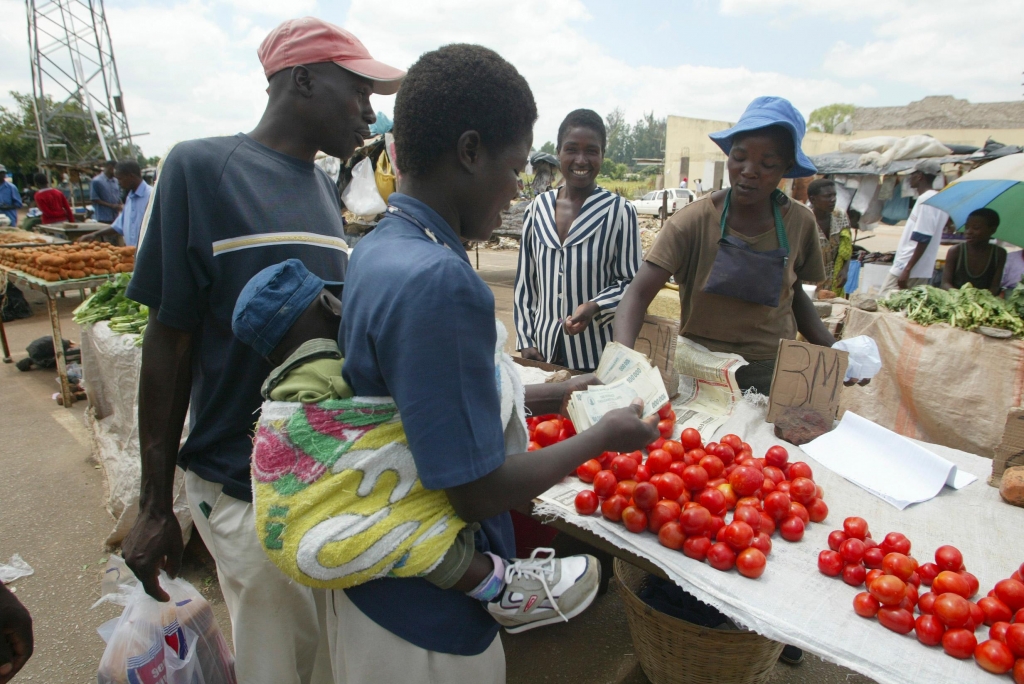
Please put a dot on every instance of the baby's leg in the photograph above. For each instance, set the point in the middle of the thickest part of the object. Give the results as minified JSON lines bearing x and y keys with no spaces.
{"x":465,"y":569}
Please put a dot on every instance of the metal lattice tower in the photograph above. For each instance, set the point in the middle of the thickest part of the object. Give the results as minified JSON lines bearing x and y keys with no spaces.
{"x":73,"y":63}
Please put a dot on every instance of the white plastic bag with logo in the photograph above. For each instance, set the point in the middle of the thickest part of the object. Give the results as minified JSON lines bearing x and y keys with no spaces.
{"x":177,"y":642}
{"x":361,"y":195}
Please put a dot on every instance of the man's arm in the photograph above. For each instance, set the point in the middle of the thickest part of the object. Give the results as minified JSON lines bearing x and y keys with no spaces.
{"x":950,"y":267}
{"x":997,"y":279}
{"x":98,"y":234}
{"x":629,"y":316}
{"x":919,"y":250}
{"x":154,"y":542}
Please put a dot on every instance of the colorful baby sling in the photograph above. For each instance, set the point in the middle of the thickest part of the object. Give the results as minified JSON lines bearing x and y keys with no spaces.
{"x":337,"y":497}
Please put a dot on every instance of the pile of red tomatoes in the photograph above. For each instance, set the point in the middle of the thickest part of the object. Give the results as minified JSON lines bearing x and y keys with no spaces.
{"x":684,"y":490}
{"x":947,"y":616}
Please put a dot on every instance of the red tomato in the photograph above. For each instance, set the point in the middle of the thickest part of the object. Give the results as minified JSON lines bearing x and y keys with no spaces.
{"x":783,"y":487}
{"x":569,"y":427}
{"x":953,"y":610}
{"x":695,"y":520}
{"x":928,"y":572}
{"x":998,"y":631}
{"x":1018,"y":668}
{"x":854,"y":574}
{"x":713,"y":465}
{"x":665,"y":411}
{"x":1019,"y":616}
{"x":977,"y":617}
{"x":637,"y":456}
{"x":995,"y":610}
{"x":645,"y":495}
{"x":872,"y":576}
{"x":666,"y":428}
{"x":1011,"y":592}
{"x":670,"y":486}
{"x":726,"y":453}
{"x":959,"y":643}
{"x":656,"y":444}
{"x":746,"y":480}
{"x":612,"y":507}
{"x":856,"y":528}
{"x":658,"y":461}
{"x":547,"y":432}
{"x":899,"y":565}
{"x":799,"y":511}
{"x":895,"y":542}
{"x":634,"y":519}
{"x":624,"y":467}
{"x":818,"y":510}
{"x":664,"y":512}
{"x":604,"y":483}
{"x":776,"y":456}
{"x":864,"y":604}
{"x":777,"y":505}
{"x":852,"y":550}
{"x":792,"y":529}
{"x":750,"y":563}
{"x":674,"y":449}
{"x":830,"y":563}
{"x":835,"y":538}
{"x":738,"y":535}
{"x":693,"y":456}
{"x":642,"y":474}
{"x":926,"y":603}
{"x":888,"y":590}
{"x":749,"y":515}
{"x":800,"y":469}
{"x":774,"y":474}
{"x":751,"y":501}
{"x":625,"y":488}
{"x":732,"y":440}
{"x":802,"y":490}
{"x":763,"y":543}
{"x":929,"y":630}
{"x":993,"y":656}
{"x":951,"y":582}
{"x":671,"y":536}
{"x":533,"y":446}
{"x":586,"y":502}
{"x":949,"y":558}
{"x":1015,"y":639}
{"x":696,"y":547}
{"x":972,"y":581}
{"x":588,"y":470}
{"x":767,"y":524}
{"x":713,"y":500}
{"x":678,"y":467}
{"x":721,"y":557}
{"x":690,"y":439}
{"x":873,"y":557}
{"x":729,"y":494}
{"x":896,"y":619}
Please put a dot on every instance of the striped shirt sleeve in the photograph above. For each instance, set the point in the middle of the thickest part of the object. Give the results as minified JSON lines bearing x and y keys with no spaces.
{"x":526,"y":293}
{"x":626,"y":259}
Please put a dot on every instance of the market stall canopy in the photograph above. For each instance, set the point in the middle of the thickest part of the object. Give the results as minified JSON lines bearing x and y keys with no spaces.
{"x":848,"y":163}
{"x":998,"y":185}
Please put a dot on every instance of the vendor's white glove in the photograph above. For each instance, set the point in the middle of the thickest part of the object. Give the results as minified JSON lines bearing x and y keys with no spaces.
{"x":865,"y":360}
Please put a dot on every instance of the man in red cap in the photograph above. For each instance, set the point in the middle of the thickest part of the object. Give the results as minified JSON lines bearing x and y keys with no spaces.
{"x":225,"y":209}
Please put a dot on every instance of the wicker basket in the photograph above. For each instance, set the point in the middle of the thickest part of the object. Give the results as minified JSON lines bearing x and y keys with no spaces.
{"x":673,"y":651}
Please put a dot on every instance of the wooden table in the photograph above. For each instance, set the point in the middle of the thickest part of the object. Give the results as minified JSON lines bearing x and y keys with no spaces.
{"x":51,"y":290}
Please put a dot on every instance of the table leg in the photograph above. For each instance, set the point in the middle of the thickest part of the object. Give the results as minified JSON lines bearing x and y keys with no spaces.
{"x":3,"y":339}
{"x":58,"y":350}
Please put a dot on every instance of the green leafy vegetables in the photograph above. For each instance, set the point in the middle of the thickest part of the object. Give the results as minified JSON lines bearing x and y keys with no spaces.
{"x":967,"y":308}
{"x":108,"y":303}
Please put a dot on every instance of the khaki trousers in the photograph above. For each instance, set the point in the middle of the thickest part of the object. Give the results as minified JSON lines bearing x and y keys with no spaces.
{"x":890,"y":285}
{"x":278,"y":626}
{"x":363,"y":652}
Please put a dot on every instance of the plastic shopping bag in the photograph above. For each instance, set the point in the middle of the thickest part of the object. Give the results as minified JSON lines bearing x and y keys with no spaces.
{"x":177,"y":642}
{"x":865,"y":359}
{"x":361,"y":196}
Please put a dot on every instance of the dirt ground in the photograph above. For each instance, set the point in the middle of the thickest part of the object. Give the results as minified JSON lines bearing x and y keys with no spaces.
{"x":51,"y":508}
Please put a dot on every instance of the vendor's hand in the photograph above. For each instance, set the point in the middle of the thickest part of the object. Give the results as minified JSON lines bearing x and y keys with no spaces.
{"x":856,"y":381}
{"x":904,"y":280}
{"x":844,"y":274}
{"x":15,"y":635}
{"x":623,"y":430}
{"x":533,"y":354}
{"x":577,"y":384}
{"x":154,"y":544}
{"x":89,"y":237}
{"x":581,"y":318}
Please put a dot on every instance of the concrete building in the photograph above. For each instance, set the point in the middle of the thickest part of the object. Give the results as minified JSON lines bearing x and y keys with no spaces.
{"x":691,"y":154}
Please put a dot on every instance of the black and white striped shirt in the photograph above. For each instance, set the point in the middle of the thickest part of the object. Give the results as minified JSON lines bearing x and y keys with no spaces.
{"x":600,"y":257}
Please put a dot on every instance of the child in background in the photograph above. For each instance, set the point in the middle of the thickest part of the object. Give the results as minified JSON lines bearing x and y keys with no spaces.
{"x":976,"y":261}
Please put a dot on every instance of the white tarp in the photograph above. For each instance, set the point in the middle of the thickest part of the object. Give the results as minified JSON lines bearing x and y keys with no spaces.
{"x":795,"y":604}
{"x":111,"y":364}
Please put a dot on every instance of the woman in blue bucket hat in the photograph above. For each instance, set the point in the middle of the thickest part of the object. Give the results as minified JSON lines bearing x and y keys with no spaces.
{"x":740,"y":254}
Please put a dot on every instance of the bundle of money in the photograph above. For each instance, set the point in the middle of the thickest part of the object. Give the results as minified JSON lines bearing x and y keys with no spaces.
{"x":626,"y":375}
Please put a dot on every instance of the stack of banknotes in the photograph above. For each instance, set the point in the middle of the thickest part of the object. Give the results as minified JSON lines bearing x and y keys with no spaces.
{"x":626,"y":375}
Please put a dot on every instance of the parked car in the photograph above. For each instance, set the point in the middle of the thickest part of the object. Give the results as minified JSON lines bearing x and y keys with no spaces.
{"x":651,"y":203}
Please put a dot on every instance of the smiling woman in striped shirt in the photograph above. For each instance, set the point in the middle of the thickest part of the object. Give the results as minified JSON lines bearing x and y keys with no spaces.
{"x":580,"y":250}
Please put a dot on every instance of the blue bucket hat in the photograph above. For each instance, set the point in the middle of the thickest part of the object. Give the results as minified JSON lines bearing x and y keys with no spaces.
{"x":771,"y":111}
{"x":272,"y":301}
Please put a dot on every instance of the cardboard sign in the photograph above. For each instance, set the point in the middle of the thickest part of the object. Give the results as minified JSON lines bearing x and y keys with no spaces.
{"x":1010,"y":451}
{"x":807,"y":376}
{"x":657,"y":341}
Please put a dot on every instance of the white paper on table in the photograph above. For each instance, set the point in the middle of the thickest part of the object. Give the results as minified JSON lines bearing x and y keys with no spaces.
{"x":890,"y":466}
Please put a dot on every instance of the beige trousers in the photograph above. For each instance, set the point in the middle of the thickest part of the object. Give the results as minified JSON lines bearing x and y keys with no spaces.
{"x":363,"y":652}
{"x":279,"y":627}
{"x":891,"y":285}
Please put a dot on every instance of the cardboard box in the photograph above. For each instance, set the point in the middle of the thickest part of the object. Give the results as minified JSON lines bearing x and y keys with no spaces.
{"x":1010,"y":451}
{"x":657,"y":341}
{"x":807,"y":376}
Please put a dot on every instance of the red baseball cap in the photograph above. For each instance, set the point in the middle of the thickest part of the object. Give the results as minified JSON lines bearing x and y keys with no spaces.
{"x":311,"y":41}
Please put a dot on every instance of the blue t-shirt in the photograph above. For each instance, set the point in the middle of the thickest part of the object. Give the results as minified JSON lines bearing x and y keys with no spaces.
{"x":108,"y":190}
{"x":419,"y":327}
{"x":224,"y":209}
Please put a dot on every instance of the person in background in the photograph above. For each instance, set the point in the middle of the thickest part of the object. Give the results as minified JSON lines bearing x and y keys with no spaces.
{"x":16,"y":642}
{"x":225,"y":208}
{"x":834,"y":233}
{"x":105,"y":194}
{"x":579,"y":251}
{"x":128,"y":223}
{"x":976,"y":261}
{"x":682,"y":183}
{"x":1014,"y":270}
{"x":51,"y":202}
{"x":697,"y":189}
{"x":10,"y":198}
{"x":919,"y":245}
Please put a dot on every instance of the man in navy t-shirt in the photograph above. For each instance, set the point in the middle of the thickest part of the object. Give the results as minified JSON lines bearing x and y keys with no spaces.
{"x":224,"y":209}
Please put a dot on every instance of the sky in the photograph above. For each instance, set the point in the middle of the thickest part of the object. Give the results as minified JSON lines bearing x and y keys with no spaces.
{"x":188,"y":68}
